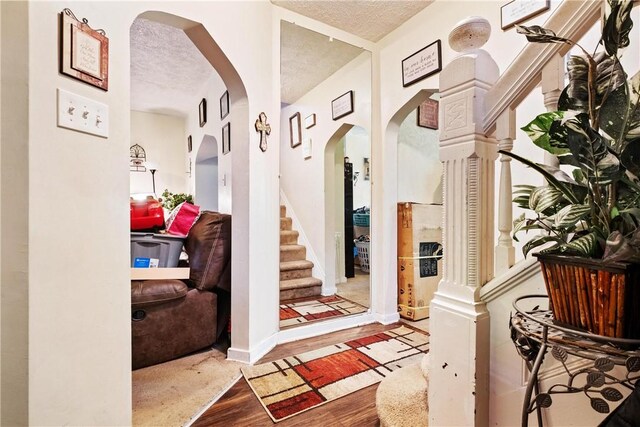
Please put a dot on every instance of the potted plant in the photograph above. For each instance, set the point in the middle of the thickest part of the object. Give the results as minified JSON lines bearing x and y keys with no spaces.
{"x":590,"y":220}
{"x":171,"y":200}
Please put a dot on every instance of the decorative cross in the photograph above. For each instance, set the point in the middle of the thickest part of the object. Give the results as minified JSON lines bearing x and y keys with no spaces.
{"x":264,"y":129}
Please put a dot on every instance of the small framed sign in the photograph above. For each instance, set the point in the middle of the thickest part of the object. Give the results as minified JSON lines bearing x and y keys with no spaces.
{"x":422,"y":64}
{"x":226,"y":138}
{"x":224,"y":105}
{"x":295,"y":132}
{"x":342,"y":105}
{"x":84,"y":52}
{"x":310,"y":121}
{"x":202,"y":112}
{"x":428,"y":114}
{"x":518,"y":11}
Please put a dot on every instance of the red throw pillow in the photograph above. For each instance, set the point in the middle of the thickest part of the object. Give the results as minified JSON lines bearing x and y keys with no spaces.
{"x":182,"y":218}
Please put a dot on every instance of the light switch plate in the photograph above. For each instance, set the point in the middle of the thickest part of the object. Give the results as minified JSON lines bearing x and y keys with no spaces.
{"x":82,"y":114}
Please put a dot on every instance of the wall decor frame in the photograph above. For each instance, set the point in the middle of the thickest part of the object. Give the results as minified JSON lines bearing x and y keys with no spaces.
{"x":224,"y":105}
{"x":226,"y":138}
{"x":367,"y":169}
{"x":84,"y":52}
{"x":310,"y":121}
{"x":422,"y":64}
{"x":189,"y":144}
{"x":342,"y":105}
{"x":306,"y":148}
{"x":295,"y":131}
{"x":517,"y":11}
{"x":427,"y":114}
{"x":202,"y":112}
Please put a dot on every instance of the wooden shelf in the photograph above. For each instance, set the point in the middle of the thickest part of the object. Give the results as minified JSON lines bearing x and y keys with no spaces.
{"x":159,"y":273}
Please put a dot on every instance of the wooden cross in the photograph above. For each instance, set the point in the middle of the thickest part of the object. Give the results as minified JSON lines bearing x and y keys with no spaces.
{"x":264,"y":129}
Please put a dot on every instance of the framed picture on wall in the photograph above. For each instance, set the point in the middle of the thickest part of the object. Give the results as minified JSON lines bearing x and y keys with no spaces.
{"x":224,"y":104}
{"x":518,"y":11}
{"x":428,"y":114}
{"x":422,"y":64}
{"x":202,"y":112}
{"x":295,"y":132}
{"x":226,"y":138}
{"x":342,"y":105}
{"x":310,"y":121}
{"x":84,"y":52}
{"x":189,"y":144}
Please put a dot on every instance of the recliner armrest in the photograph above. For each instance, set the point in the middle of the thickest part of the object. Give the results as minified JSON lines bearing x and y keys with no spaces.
{"x":151,"y":292}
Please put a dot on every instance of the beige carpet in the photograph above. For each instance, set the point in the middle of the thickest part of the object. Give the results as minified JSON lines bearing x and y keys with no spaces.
{"x":172,"y":393}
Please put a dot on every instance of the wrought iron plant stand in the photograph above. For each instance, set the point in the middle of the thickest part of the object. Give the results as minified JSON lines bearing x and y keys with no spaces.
{"x":534,"y":332}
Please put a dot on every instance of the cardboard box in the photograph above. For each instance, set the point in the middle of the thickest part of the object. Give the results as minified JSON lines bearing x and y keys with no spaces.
{"x":419,"y":257}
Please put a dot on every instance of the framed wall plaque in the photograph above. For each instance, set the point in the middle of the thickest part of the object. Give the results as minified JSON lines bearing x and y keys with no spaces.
{"x":342,"y":105}
{"x":518,"y":11}
{"x":224,"y":105}
{"x":428,"y":114}
{"x":202,"y":112}
{"x":189,"y":144}
{"x":422,"y":64}
{"x":84,"y":52}
{"x":226,"y":138}
{"x":295,"y":132}
{"x":310,"y":121}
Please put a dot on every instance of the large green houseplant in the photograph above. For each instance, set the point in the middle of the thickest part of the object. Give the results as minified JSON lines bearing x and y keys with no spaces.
{"x":595,"y":213}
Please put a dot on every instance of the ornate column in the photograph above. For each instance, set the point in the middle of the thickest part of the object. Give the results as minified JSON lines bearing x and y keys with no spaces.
{"x":459,"y":359}
{"x":505,"y":252}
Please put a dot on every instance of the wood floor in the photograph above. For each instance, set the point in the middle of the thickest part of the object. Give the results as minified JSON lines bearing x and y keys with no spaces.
{"x":240,"y":407}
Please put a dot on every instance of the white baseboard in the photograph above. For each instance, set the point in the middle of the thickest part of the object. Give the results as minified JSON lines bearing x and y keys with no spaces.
{"x":324,"y":327}
{"x":255,"y":354}
{"x":329,"y":290}
{"x":387,"y":319}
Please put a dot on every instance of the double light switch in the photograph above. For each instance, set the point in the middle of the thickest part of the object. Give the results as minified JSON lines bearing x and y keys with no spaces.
{"x":82,"y":114}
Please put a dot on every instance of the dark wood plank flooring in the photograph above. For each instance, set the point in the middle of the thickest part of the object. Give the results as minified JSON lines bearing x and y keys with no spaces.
{"x":240,"y":407}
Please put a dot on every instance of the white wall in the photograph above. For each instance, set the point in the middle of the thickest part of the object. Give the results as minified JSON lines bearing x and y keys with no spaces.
{"x":207,"y":184}
{"x":163,"y":140}
{"x":76,"y":281}
{"x":419,"y":167}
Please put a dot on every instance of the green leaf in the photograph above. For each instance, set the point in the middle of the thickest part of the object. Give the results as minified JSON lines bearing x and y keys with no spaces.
{"x":583,"y":246}
{"x":539,"y":241}
{"x":618,"y":24}
{"x":539,"y":130}
{"x":537,"y":34}
{"x":568,"y":216}
{"x":542,"y":198}
{"x":544,"y":170}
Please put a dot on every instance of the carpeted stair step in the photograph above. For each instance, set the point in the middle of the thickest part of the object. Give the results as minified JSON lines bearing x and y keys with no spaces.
{"x":285,"y":223}
{"x":292,"y":253}
{"x":289,"y":237}
{"x":300,"y":288}
{"x":295,"y":269}
{"x":283,"y":211}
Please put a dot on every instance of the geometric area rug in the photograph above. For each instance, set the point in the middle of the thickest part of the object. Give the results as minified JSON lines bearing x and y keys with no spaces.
{"x":298,"y":313}
{"x":295,"y":384}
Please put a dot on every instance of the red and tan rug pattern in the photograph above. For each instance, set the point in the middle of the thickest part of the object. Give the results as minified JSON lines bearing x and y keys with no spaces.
{"x":298,"y":313}
{"x":292,"y":385}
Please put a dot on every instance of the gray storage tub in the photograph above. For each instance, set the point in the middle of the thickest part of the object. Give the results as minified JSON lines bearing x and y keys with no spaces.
{"x":165,"y":248}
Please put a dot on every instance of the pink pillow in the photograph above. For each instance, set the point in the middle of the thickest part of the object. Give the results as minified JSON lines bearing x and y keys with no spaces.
{"x":181,"y":218}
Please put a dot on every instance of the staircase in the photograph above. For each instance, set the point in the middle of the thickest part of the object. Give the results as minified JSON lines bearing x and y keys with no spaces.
{"x":295,"y":271}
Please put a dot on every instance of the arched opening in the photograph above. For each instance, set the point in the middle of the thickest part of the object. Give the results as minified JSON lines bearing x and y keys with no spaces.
{"x":418,"y":186}
{"x":347,"y":188}
{"x":201,"y":161}
{"x":206,"y":170}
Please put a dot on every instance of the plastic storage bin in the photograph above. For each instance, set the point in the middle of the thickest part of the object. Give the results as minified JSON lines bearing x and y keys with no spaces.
{"x":363,"y":255}
{"x":163,"y":247}
{"x":361,"y":220}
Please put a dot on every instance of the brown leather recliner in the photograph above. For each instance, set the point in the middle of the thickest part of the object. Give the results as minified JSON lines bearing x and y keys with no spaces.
{"x":172,"y":318}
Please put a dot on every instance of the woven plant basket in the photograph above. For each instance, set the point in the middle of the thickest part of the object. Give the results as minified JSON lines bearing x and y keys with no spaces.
{"x":603,"y":299}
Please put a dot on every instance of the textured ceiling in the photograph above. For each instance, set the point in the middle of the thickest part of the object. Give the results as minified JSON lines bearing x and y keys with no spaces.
{"x":369,"y":19}
{"x":307,"y":58}
{"x":168,"y":72}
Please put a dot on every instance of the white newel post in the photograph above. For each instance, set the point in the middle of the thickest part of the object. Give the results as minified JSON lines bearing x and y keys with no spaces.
{"x":459,"y":325}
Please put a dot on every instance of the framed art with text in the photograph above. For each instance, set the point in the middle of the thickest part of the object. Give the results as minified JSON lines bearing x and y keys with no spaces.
{"x":517,"y":11}
{"x":422,"y":64}
{"x":342,"y":105}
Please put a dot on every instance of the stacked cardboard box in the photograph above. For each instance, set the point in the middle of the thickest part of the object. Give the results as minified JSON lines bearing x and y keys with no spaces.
{"x":419,"y":257}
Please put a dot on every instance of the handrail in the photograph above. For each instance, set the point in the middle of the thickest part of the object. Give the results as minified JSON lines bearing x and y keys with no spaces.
{"x":571,"y":19}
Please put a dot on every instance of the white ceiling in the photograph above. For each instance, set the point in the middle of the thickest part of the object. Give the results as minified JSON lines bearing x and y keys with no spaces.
{"x":168,"y":73}
{"x":369,"y":19}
